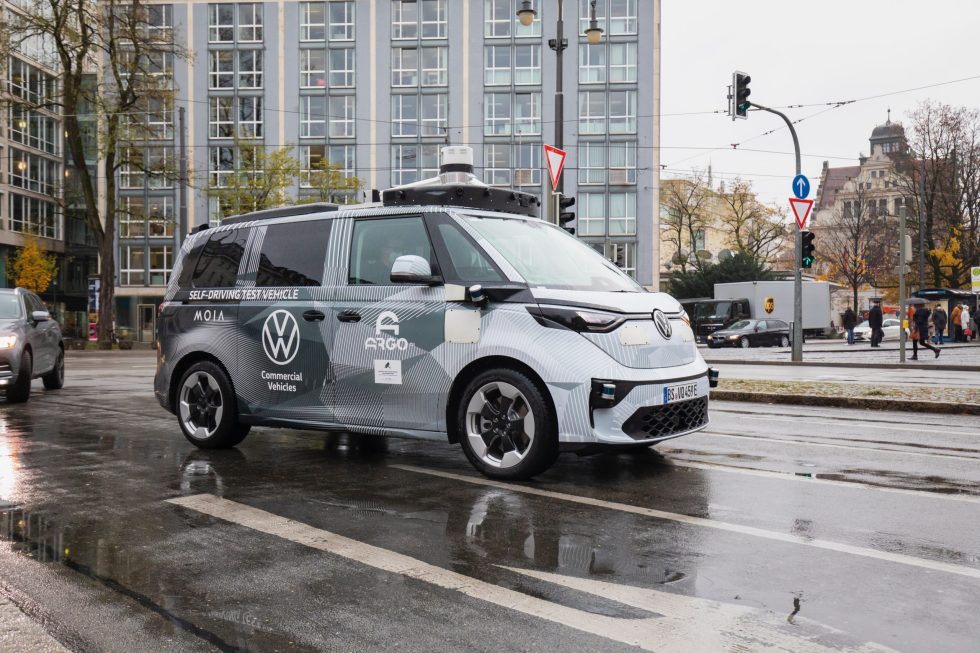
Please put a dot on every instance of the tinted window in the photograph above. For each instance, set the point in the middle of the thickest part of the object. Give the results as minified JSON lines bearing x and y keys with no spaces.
{"x":220,"y":258}
{"x":8,"y":306}
{"x":377,"y":243}
{"x":293,"y":254}
{"x":469,"y":262}
{"x":190,"y":262}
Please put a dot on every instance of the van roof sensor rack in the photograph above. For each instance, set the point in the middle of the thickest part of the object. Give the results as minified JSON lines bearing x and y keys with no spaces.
{"x":483,"y":198}
{"x":282,"y":212}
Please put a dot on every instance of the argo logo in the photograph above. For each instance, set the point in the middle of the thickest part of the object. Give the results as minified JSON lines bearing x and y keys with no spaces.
{"x":663,"y":324}
{"x":280,"y":337}
{"x":387,"y":323}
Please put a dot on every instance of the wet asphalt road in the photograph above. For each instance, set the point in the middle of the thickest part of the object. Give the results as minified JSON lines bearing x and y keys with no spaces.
{"x":780,"y":527}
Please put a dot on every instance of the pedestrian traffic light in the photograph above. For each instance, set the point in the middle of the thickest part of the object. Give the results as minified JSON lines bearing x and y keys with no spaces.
{"x":565,"y":216}
{"x":740,"y":95}
{"x":807,"y":258}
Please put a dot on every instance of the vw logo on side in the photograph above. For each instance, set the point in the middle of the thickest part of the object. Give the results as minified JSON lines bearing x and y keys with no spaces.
{"x":280,"y":337}
{"x":663,"y":324}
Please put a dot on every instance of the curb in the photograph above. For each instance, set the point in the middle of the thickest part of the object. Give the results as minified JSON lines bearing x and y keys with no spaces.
{"x":848,"y":402}
{"x":887,"y":366}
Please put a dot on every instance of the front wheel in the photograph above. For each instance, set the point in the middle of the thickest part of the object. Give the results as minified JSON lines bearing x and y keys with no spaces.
{"x":744,"y":343}
{"x":206,"y":408}
{"x":784,"y":341}
{"x":55,"y":379}
{"x":20,"y":390}
{"x":507,"y":429}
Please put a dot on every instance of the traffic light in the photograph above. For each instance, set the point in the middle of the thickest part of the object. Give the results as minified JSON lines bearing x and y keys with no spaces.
{"x":740,"y":95}
{"x":807,"y":258}
{"x":564,"y":215}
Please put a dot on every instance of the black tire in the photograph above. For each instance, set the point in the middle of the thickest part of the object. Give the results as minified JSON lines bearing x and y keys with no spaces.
{"x":744,"y":342}
{"x":540,"y":450}
{"x":20,"y":391}
{"x":784,"y":341}
{"x":206,"y":400}
{"x":55,"y":379}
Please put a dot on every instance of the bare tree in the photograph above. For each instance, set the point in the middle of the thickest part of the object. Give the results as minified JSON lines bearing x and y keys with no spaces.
{"x":857,"y":245}
{"x":754,"y":229}
{"x":112,"y":60}
{"x":686,"y":201}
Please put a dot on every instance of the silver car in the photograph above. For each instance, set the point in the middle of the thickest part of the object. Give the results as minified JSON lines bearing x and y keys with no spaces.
{"x":30,"y":345}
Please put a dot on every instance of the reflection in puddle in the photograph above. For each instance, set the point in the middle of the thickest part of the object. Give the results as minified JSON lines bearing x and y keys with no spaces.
{"x":33,"y":535}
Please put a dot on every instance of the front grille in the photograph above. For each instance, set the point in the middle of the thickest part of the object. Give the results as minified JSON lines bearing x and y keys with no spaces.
{"x":664,"y":421}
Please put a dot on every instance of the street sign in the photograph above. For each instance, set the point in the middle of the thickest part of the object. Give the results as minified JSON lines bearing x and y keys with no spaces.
{"x":975,"y":278}
{"x":555,"y":159}
{"x":801,"y":187}
{"x":801,"y":210}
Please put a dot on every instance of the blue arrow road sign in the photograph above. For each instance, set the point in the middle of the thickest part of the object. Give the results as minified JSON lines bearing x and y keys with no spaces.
{"x":801,"y":186}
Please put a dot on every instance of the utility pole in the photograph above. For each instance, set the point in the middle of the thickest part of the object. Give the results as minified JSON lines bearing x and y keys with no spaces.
{"x":901,"y":285}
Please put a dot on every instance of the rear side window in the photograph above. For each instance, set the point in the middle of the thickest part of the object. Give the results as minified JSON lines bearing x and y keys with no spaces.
{"x":190,"y":262}
{"x":293,"y":254}
{"x":218,"y":265}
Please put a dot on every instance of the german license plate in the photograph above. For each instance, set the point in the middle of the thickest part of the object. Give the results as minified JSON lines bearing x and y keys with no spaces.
{"x":680,"y":392}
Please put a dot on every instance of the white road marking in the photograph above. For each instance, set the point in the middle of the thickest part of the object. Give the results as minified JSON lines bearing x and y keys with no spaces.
{"x":829,"y":445}
{"x":828,"y":545}
{"x":786,"y":476}
{"x":677,"y":623}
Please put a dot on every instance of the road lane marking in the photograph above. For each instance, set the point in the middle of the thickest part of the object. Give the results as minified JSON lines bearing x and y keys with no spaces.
{"x":887,"y":556}
{"x":676,"y":623}
{"x":788,"y":476}
{"x":829,"y":445}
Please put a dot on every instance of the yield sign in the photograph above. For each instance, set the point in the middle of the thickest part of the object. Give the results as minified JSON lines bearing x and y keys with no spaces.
{"x":801,"y":209}
{"x":555,"y":159}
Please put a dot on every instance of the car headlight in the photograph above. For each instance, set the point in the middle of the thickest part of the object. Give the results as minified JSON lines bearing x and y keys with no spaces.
{"x":8,"y":342}
{"x":576,"y":319}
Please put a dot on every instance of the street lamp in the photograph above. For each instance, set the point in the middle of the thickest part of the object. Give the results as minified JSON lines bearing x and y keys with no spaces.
{"x":526,"y":13}
{"x":594,"y":33}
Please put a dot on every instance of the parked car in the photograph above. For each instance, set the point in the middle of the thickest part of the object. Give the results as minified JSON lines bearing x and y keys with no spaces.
{"x":30,"y":345}
{"x":890,"y":327}
{"x":752,"y":333}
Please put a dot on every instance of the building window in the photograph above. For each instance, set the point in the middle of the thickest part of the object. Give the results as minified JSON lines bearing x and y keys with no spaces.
{"x":527,"y":164}
{"x":342,"y":67}
{"x":497,"y":66}
{"x":250,"y":116}
{"x":222,"y":71}
{"x":623,"y":255}
{"x":161,"y":262}
{"x":313,"y":21}
{"x":341,"y":15}
{"x":527,"y":64}
{"x":527,"y":113}
{"x":435,"y":65}
{"x":404,"y":115}
{"x":250,"y":69}
{"x":404,"y":67}
{"x":160,"y":23}
{"x":433,"y":19}
{"x":592,"y":112}
{"x":592,"y":215}
{"x":221,"y":120}
{"x":250,"y":23}
{"x":29,"y":215}
{"x":592,"y":163}
{"x":33,"y":129}
{"x":622,"y":112}
{"x":497,"y":114}
{"x":404,"y":19}
{"x":159,"y":118}
{"x":34,"y":172}
{"x":314,"y":158}
{"x":312,"y":68}
{"x":413,"y":162}
{"x":622,"y":17}
{"x":132,"y":268}
{"x":313,"y":116}
{"x":622,"y":62}
{"x":341,"y":111}
{"x":899,"y":203}
{"x":585,"y":15}
{"x":622,"y":164}
{"x":500,"y":19}
{"x":221,"y":165}
{"x":221,"y":23}
{"x":622,"y":214}
{"x":591,"y":63}
{"x":699,"y":239}
{"x":136,"y":221}
{"x":435,"y":113}
{"x":496,"y":164}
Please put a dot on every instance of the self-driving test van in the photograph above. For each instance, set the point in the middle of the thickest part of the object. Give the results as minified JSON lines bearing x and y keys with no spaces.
{"x":446,"y":311}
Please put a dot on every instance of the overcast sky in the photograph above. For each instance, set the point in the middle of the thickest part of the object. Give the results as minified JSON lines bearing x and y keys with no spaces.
{"x":802,"y":53}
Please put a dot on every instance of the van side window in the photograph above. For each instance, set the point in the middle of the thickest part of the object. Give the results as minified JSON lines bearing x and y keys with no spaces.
{"x":220,"y":259}
{"x":190,"y":263}
{"x":469,"y":262}
{"x":377,"y":243}
{"x":293,"y":254}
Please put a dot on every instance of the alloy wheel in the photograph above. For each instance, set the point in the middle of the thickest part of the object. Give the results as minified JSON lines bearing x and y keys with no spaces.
{"x":499,"y":424}
{"x":201,"y":405}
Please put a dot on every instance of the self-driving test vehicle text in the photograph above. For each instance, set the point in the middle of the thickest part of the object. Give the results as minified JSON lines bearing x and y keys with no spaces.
{"x":447,"y":310}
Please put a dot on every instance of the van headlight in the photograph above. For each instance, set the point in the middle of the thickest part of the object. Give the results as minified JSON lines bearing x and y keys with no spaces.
{"x":8,"y":342}
{"x":583,"y":321}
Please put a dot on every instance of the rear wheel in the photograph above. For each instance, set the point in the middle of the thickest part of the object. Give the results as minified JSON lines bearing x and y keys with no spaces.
{"x":206,"y":408}
{"x":784,"y":341}
{"x":55,"y":379}
{"x":507,"y":429}
{"x":744,"y":343}
{"x":20,"y":390}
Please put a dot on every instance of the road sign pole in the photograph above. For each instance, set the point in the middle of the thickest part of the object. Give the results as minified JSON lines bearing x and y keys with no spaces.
{"x":901,"y":286}
{"x":797,"y":356}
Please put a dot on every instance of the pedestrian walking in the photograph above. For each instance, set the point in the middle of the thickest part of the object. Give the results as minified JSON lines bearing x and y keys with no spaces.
{"x":850,"y":321}
{"x":920,"y":332}
{"x":875,"y":319}
{"x":940,"y":319}
{"x":955,"y":328}
{"x":965,"y":322}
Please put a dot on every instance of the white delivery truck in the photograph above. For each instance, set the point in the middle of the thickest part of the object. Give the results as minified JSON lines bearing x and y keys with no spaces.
{"x":775,"y":299}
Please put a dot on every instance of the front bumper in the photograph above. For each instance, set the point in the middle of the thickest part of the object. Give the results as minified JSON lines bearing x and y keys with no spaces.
{"x":9,"y":365}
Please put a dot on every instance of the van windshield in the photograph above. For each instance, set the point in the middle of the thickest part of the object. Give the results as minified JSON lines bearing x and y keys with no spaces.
{"x":548,"y":257}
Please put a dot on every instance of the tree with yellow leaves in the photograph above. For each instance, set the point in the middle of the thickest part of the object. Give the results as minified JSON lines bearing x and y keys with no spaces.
{"x":32,"y":268}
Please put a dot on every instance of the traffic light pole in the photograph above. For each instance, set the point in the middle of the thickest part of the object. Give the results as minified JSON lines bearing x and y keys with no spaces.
{"x":797,"y":355}
{"x":558,"y":45}
{"x":902,"y":262}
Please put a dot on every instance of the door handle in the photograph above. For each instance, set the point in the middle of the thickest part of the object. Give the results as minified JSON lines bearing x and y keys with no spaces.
{"x":313,"y":316}
{"x":349,"y":316}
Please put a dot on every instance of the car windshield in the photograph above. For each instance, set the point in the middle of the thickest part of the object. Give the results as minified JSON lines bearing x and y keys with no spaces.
{"x":9,"y":306}
{"x":863,"y":325}
{"x":548,"y":257}
{"x":714,"y":310}
{"x":742,"y":324}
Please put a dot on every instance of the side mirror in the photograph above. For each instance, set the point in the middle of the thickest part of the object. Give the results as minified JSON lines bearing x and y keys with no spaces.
{"x":40,"y":316}
{"x":413,"y":269}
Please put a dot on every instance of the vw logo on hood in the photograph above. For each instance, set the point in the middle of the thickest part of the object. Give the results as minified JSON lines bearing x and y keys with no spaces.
{"x":663,"y":324}
{"x":280,"y":337}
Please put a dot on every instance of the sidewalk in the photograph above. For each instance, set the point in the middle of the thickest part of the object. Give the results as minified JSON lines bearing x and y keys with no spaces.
{"x":835,"y":353}
{"x":20,"y":634}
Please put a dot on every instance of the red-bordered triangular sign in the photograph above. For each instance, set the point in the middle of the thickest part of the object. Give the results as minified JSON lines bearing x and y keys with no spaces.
{"x":801,"y":210}
{"x":555,"y":159}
